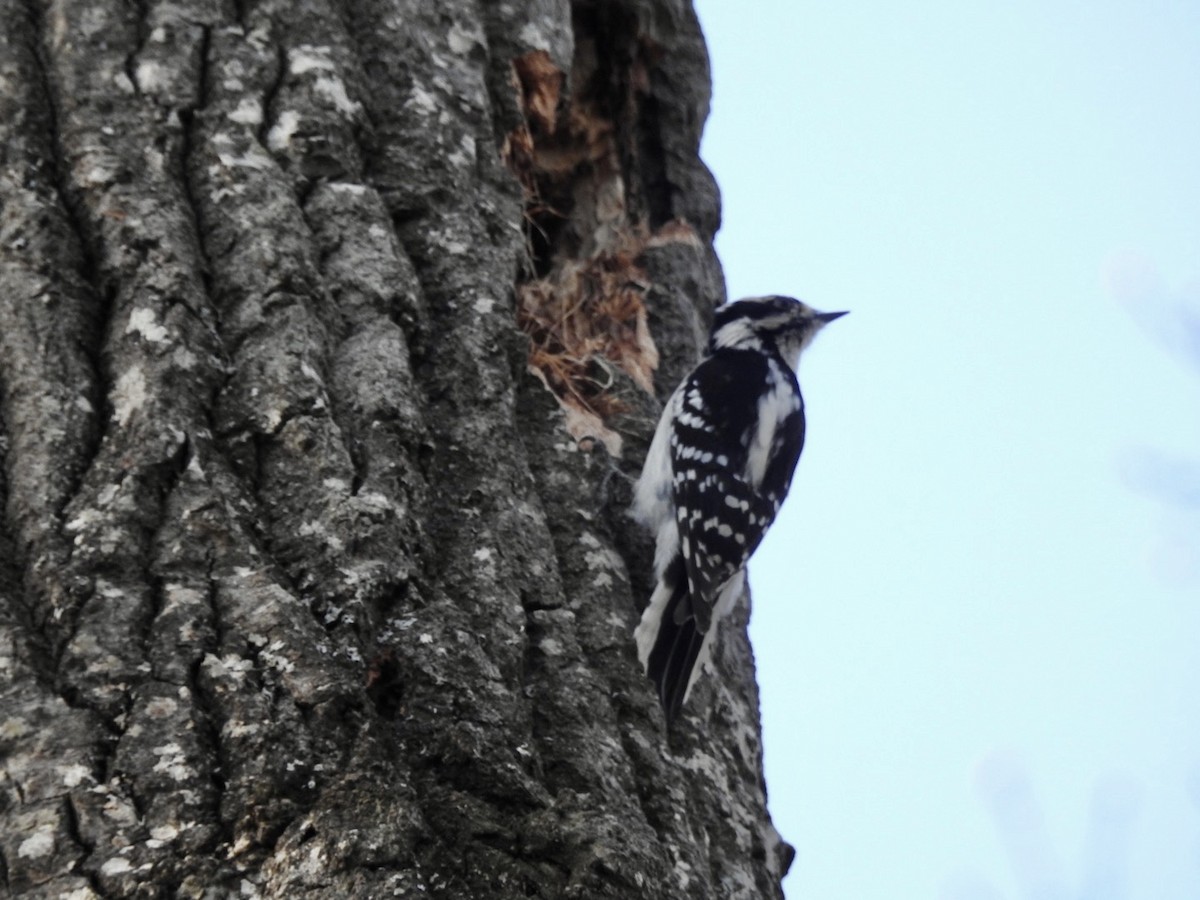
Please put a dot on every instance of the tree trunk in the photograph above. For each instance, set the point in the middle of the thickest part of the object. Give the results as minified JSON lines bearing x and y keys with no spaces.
{"x":309,"y":582}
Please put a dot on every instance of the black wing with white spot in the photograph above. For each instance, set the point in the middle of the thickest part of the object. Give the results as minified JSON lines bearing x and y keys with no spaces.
{"x":720,"y":514}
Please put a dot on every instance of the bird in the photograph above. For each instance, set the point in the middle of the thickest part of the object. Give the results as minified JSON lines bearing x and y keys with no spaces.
{"x":717,"y":471}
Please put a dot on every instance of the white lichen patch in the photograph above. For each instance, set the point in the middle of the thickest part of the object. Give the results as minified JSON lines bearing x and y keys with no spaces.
{"x":85,"y":520}
{"x":99,"y":174}
{"x":453,"y":246}
{"x":110,"y":591}
{"x":464,"y":155}
{"x":103,"y":663}
{"x":229,"y":666}
{"x":308,"y":58}
{"x":120,"y":811}
{"x":161,"y":708}
{"x":184,"y":358}
{"x":533,"y":37}
{"x":116,"y":865}
{"x":172,"y":761}
{"x":156,"y":163}
{"x":73,"y":775}
{"x":260,"y":36}
{"x":705,"y":765}
{"x":683,"y":874}
{"x":484,"y":305}
{"x":460,"y":40}
{"x":363,"y":575}
{"x":315,"y":863}
{"x":602,"y":558}
{"x":248,"y":112}
{"x":151,"y":76}
{"x":193,"y":468}
{"x":274,"y":419}
{"x":276,"y":660}
{"x":285,"y":127}
{"x":223,"y":193}
{"x":333,"y":89}
{"x":13,"y":727}
{"x":394,"y":625}
{"x":238,"y":729}
{"x":129,"y":395}
{"x":37,"y":845}
{"x":315,"y":528}
{"x":483,"y":554}
{"x":422,"y":100}
{"x":142,"y":321}
{"x":164,"y":832}
{"x":373,"y":500}
{"x":83,"y":404}
{"x":348,"y":187}
{"x":251,"y":158}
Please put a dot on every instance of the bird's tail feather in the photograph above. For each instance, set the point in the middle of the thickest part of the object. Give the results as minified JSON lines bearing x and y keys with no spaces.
{"x":673,"y":661}
{"x":669,"y":641}
{"x":670,"y":645}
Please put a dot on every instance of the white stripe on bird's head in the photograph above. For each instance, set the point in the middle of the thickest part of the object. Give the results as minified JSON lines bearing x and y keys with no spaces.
{"x":784,"y":323}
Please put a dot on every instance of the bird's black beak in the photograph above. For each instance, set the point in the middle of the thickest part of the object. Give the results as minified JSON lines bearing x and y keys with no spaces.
{"x":826,"y":318}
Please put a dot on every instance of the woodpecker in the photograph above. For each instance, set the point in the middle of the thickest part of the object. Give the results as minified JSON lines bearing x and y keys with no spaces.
{"x":717,"y":471}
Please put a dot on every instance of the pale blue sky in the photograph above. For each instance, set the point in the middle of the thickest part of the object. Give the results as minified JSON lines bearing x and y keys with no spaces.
{"x":971,"y":588}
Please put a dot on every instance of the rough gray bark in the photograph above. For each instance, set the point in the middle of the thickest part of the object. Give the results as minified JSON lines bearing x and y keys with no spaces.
{"x":305,"y":588}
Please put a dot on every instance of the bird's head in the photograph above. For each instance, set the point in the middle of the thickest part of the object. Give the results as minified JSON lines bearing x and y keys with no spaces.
{"x":784,"y":323}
